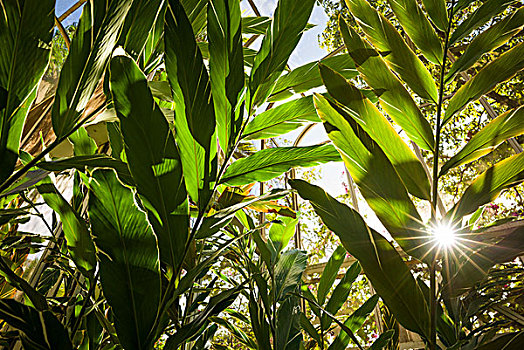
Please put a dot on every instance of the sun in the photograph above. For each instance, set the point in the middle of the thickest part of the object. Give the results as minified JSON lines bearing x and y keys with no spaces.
{"x":444,"y":235}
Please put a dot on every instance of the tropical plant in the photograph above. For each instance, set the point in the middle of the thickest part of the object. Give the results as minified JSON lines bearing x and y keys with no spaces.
{"x":398,"y":67}
{"x":127,"y":261}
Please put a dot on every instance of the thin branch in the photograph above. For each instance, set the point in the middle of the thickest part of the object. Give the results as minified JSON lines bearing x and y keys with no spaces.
{"x":63,"y":32}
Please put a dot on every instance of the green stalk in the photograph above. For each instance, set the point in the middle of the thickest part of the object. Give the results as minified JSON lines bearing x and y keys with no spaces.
{"x":434,"y":198}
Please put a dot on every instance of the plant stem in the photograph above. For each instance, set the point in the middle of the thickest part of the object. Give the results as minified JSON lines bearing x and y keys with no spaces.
{"x":434,"y":197}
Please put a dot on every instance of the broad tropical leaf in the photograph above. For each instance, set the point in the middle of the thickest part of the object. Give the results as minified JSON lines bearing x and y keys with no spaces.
{"x":79,"y":242}
{"x":138,"y":24}
{"x":383,"y":340}
{"x":195,"y":115}
{"x":340,"y":293}
{"x":196,"y":13}
{"x":418,"y":28}
{"x":91,"y":48}
{"x":330,"y":273}
{"x":289,"y":21}
{"x":288,"y":331}
{"x":354,"y":322}
{"x":129,"y":259}
{"x":389,"y":275}
{"x":281,"y":119}
{"x":153,"y":158}
{"x":281,"y":232}
{"x":92,"y":161}
{"x":505,"y":126}
{"x":437,"y":12}
{"x":272,"y":162}
{"x":488,"y":9}
{"x":226,"y":67}
{"x":377,"y":179}
{"x":390,"y":44}
{"x":38,"y":330}
{"x":510,"y":341}
{"x":488,"y":185}
{"x":26,"y":28}
{"x":497,"y":71}
{"x":255,"y":25}
{"x":369,"y":118}
{"x":288,"y":272}
{"x":472,"y":265}
{"x":394,"y":97}
{"x":37,"y":299}
{"x":216,"y":304}
{"x":307,"y":77}
{"x":215,"y":222}
{"x":488,"y":40}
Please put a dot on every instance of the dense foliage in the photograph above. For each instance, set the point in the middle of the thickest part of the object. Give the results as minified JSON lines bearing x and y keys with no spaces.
{"x":165,"y":237}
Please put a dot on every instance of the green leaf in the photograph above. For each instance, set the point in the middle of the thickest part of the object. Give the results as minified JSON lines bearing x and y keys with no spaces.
{"x":392,"y":47}
{"x":383,"y":340}
{"x":394,"y":97}
{"x":437,"y":12}
{"x":39,"y":301}
{"x":497,"y":71}
{"x":288,"y":272}
{"x":354,"y":322}
{"x":77,"y":235}
{"x":129,"y":261}
{"x":281,"y":232}
{"x":255,"y":25}
{"x":212,"y":224}
{"x":258,"y":25}
{"x":488,"y":40}
{"x":216,"y":304}
{"x":309,"y":328}
{"x":488,"y":185}
{"x":83,"y":144}
{"x":330,"y":273}
{"x":479,"y":255}
{"x":418,"y":28}
{"x":153,"y":158}
{"x":39,"y":330}
{"x":340,"y":293}
{"x":259,"y":324}
{"x":445,"y":327}
{"x":30,"y":179}
{"x":389,"y":275}
{"x":92,"y":161}
{"x":369,"y":118}
{"x":281,"y":119}
{"x":26,"y":29}
{"x":505,"y":126}
{"x":272,"y":162}
{"x":488,"y":9}
{"x":195,"y":115}
{"x":289,"y":21}
{"x":511,"y":341}
{"x":93,"y":43}
{"x":307,"y":77}
{"x":288,"y":330}
{"x":138,"y":24}
{"x":226,"y":68}
{"x":376,"y":178}
{"x":196,"y":13}
{"x":238,"y":333}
